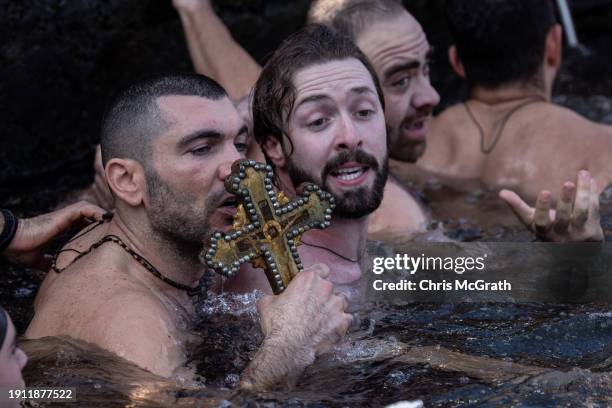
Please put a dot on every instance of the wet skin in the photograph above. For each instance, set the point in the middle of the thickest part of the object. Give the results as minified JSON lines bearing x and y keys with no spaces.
{"x":399,"y":52}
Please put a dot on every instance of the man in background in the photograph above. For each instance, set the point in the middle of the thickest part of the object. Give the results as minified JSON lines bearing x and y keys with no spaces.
{"x":509,"y":134}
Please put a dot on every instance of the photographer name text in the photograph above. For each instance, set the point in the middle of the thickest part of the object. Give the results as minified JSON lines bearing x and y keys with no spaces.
{"x":435,"y":286}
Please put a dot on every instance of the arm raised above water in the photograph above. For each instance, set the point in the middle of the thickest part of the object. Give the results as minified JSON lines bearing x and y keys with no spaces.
{"x":213,"y":50}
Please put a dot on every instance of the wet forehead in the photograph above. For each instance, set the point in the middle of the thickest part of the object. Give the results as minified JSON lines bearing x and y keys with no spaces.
{"x":335,"y":77}
{"x":185,"y":113}
{"x":395,"y":41}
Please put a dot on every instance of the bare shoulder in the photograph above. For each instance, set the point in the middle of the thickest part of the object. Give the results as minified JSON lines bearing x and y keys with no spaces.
{"x":67,"y":300}
{"x":398,"y":212}
{"x":445,"y":123}
{"x":571,"y":123}
{"x":136,"y":326}
{"x":442,"y":136}
{"x":449,"y":114}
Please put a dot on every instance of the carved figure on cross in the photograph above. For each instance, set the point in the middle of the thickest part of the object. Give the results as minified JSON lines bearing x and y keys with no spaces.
{"x":267,"y":225}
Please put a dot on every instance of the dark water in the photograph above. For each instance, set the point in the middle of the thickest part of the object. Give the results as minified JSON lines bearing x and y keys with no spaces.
{"x":489,"y":355}
{"x":444,"y":355}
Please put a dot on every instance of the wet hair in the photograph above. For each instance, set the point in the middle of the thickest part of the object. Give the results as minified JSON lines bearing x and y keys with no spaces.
{"x":3,"y":325}
{"x":350,"y":17}
{"x":133,"y":118}
{"x":274,"y":93}
{"x":500,"y":41}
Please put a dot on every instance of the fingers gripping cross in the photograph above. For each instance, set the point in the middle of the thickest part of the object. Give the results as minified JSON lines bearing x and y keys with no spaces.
{"x":267,"y":225}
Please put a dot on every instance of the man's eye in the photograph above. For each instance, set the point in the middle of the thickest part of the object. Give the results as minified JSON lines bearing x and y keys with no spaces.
{"x":426,"y":68}
{"x":365,"y":113}
{"x":318,"y":123}
{"x":241,"y":147}
{"x":200,"y":150}
{"x":402,"y":82}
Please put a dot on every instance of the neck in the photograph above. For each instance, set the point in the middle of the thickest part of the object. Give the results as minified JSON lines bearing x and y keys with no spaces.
{"x":509,"y":93}
{"x":178,"y":262}
{"x":344,"y":236}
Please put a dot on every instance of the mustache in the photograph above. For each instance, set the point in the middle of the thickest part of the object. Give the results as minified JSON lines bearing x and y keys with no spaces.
{"x":421,"y":114}
{"x":215,"y":200}
{"x":358,"y":156}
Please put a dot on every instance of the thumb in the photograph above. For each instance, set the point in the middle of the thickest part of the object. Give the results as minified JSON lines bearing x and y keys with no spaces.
{"x":520,"y":208}
{"x":320,"y":269}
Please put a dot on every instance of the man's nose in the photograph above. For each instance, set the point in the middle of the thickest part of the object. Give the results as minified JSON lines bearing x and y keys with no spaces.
{"x":348,"y":136}
{"x":425,"y":96}
{"x":226,"y":167}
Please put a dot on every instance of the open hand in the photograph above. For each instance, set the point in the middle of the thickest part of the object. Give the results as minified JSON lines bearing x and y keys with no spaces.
{"x":575,"y":219}
{"x":35,"y":234}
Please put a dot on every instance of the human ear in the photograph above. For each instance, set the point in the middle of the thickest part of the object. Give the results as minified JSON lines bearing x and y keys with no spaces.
{"x":455,"y":61}
{"x":273,"y":149}
{"x":554,"y":46}
{"x":126,"y":179}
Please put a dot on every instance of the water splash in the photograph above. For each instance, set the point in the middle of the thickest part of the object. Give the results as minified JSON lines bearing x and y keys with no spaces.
{"x":238,"y":305}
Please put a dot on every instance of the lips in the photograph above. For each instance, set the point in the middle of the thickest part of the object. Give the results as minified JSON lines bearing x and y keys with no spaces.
{"x":415,"y":130}
{"x":228,"y":206}
{"x":350,"y":173}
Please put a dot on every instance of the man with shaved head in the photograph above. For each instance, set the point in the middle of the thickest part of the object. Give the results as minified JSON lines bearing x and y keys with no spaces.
{"x":167,"y":145}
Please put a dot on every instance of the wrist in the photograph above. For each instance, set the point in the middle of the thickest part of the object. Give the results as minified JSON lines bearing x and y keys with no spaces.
{"x":8,"y":229}
{"x":197,"y":6}
{"x":302,"y":355}
{"x":278,"y":363}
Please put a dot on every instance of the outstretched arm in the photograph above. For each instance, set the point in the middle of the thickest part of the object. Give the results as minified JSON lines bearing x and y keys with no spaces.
{"x":213,"y":50}
{"x":299,"y":324}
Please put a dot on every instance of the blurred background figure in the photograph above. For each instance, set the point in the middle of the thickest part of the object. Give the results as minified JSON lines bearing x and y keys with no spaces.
{"x":12,"y":358}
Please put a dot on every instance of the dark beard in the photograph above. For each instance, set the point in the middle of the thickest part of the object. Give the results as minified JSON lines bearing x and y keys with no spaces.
{"x":173,"y":218}
{"x":409,"y":152}
{"x":352,"y":204}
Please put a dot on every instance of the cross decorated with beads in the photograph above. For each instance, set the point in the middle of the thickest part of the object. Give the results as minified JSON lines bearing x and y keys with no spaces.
{"x":267,"y":225}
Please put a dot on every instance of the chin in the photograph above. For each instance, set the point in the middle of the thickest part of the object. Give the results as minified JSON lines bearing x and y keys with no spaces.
{"x":409,"y":152}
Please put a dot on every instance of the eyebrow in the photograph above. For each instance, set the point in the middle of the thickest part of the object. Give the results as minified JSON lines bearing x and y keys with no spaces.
{"x":243,"y":129}
{"x":361,"y":90}
{"x":358,"y":90}
{"x":406,"y":66}
{"x":199,"y":134}
{"x":310,"y":99}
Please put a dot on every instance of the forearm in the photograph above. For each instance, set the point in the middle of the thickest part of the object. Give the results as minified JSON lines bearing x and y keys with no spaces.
{"x":216,"y":54}
{"x":275,"y":364}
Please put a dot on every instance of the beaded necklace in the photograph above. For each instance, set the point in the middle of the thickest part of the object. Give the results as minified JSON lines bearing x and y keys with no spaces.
{"x":139,"y":258}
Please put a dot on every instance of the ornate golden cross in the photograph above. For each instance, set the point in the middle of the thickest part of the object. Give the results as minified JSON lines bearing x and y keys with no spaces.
{"x":267,"y":225}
